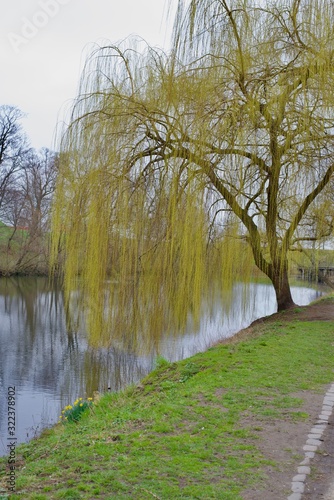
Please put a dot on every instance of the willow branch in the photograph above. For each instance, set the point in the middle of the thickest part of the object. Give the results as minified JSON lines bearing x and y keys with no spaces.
{"x":305,"y":205}
{"x":208,"y":168}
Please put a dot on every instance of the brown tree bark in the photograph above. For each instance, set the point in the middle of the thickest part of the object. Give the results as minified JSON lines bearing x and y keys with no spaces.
{"x":280,"y":281}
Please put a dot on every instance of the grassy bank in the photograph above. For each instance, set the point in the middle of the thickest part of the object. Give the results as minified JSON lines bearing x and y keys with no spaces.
{"x":190,"y":430}
{"x":22,"y":254}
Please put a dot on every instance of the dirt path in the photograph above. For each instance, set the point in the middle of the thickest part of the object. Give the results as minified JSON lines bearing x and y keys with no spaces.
{"x":283,"y":441}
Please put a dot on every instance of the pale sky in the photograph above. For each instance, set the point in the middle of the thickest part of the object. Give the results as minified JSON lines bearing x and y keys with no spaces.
{"x":43,"y":44}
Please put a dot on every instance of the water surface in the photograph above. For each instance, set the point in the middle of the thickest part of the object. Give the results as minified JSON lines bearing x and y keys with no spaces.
{"x":51,"y":363}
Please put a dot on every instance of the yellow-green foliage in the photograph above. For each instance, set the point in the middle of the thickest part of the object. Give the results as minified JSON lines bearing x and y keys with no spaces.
{"x":172,"y":163}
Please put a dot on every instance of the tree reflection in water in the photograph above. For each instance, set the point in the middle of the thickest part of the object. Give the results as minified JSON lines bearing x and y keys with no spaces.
{"x":46,"y":352}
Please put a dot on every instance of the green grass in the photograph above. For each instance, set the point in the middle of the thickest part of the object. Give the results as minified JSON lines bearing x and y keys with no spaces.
{"x":21,"y":255}
{"x":11,"y":243}
{"x":181,"y":433}
{"x":6,"y":233}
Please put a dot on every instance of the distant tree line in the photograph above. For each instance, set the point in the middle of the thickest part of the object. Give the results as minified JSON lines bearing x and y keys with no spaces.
{"x":27,"y":182}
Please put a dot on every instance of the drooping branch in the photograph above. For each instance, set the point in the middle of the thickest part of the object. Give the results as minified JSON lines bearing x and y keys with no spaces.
{"x":305,"y":205}
{"x":209,"y":170}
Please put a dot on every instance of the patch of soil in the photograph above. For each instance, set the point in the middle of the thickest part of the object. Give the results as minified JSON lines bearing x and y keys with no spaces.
{"x":322,"y":310}
{"x":283,"y":441}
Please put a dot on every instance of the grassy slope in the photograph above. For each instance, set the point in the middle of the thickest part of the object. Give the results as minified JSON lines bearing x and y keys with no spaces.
{"x":6,"y":233}
{"x":9,"y":256}
{"x":179,"y":435}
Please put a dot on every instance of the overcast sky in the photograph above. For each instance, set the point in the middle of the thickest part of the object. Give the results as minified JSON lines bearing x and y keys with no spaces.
{"x":43,"y":46}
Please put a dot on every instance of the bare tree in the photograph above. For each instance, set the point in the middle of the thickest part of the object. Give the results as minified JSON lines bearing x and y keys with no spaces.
{"x":13,"y":146}
{"x":25,"y":210}
{"x":36,"y":185}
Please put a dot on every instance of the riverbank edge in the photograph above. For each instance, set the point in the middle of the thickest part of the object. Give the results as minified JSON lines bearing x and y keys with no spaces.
{"x":24,"y":274}
{"x":166,"y":380}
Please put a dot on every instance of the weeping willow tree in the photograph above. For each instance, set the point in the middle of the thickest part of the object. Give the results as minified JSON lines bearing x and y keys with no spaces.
{"x":230,"y":136}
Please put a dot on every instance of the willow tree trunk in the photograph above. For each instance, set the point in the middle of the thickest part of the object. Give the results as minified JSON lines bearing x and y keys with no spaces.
{"x":280,"y":281}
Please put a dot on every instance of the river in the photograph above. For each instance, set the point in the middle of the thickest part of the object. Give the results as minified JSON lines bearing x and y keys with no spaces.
{"x":50,"y":363}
